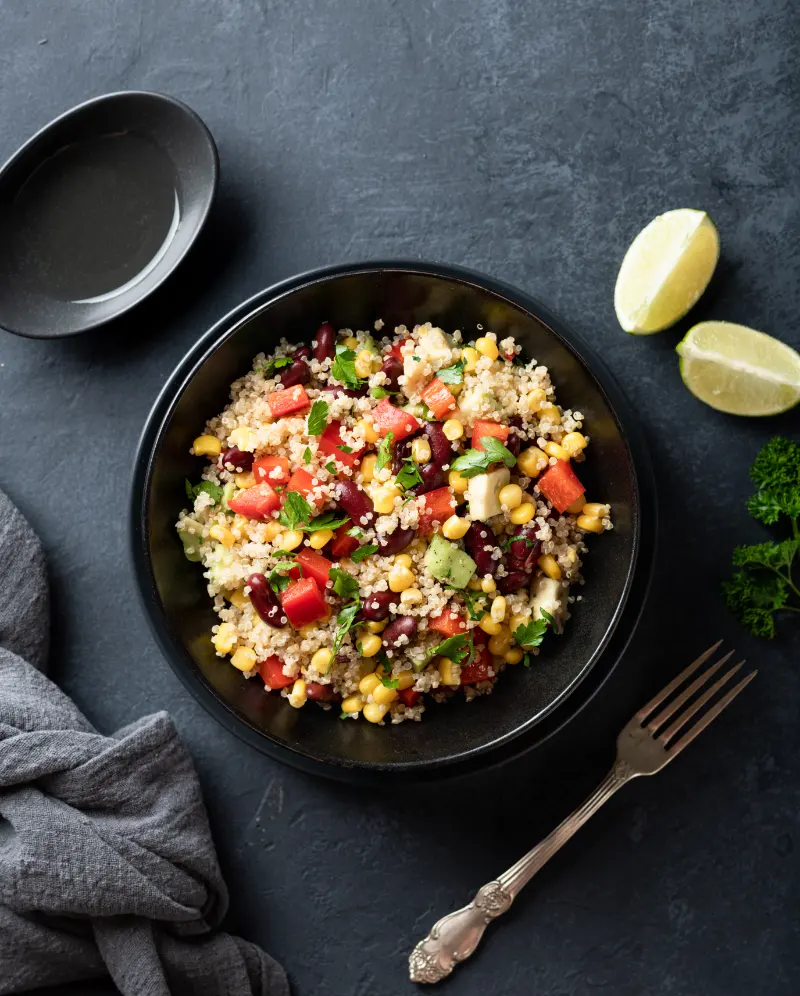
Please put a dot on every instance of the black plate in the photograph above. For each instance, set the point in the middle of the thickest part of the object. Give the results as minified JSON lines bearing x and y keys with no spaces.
{"x":527,"y":704}
{"x":98,"y":208}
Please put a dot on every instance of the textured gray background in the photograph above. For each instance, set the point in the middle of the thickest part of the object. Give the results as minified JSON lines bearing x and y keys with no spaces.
{"x":531,"y":140}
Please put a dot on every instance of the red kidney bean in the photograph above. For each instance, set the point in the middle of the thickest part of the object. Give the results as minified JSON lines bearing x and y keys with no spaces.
{"x":402,"y":452}
{"x":265,"y":601}
{"x":393,"y":368}
{"x":297,"y":373}
{"x":389,"y":545}
{"x":355,"y":502}
{"x":321,"y":693}
{"x":401,"y":626}
{"x":512,"y":581}
{"x":524,"y":549}
{"x":477,"y":538}
{"x":235,"y":460}
{"x":433,"y":478}
{"x":375,"y":607}
{"x":441,"y":450}
{"x":513,"y":443}
{"x":324,"y":342}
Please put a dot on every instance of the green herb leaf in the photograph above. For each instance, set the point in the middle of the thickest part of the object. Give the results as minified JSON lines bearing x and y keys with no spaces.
{"x":357,"y":532}
{"x":532,"y":633}
{"x":454,"y":374}
{"x":278,"y":581}
{"x":317,"y":418}
{"x":754,"y":599}
{"x":475,"y":602}
{"x":344,"y":585}
{"x":408,"y":475}
{"x":363,"y":552}
{"x":295,"y":511}
{"x":344,"y":368}
{"x":345,"y":620}
{"x":381,"y":392}
{"x":457,"y":648}
{"x":274,"y":364}
{"x":344,"y":715}
{"x":330,"y":467}
{"x":328,"y":520}
{"x":307,"y":455}
{"x":475,"y":462}
{"x":776,"y":471}
{"x":389,"y":682}
{"x":206,"y":488}
{"x":384,"y":451}
{"x":189,"y":490}
{"x":345,"y":449}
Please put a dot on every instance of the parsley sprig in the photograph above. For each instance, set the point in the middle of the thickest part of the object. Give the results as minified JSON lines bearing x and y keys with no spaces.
{"x":765,"y":585}
{"x":453,"y":374}
{"x":384,"y":451}
{"x":344,"y":368}
{"x":475,"y":462}
{"x":408,"y":475}
{"x":274,"y":364}
{"x":345,"y":587}
{"x":204,"y":487}
{"x":317,"y":418}
{"x":460,"y":649}
{"x":297,"y":514}
{"x":531,"y":634}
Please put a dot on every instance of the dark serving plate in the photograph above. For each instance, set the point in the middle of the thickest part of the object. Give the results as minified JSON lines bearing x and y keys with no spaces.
{"x":527,"y":704}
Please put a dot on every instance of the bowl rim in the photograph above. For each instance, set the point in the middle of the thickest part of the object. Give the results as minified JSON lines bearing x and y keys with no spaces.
{"x":163,"y":271}
{"x":502,"y":748}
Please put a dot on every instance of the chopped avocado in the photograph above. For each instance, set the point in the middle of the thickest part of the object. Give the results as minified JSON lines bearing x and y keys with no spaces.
{"x":191,"y":546}
{"x":482,"y":493}
{"x":447,"y":563}
{"x":228,"y":492}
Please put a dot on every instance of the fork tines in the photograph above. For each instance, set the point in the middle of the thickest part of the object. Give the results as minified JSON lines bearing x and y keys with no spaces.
{"x":656,"y":724}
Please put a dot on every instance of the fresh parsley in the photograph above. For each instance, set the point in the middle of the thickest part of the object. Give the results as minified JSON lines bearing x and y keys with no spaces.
{"x":453,"y":374}
{"x":344,"y":368}
{"x":363,"y":552}
{"x":475,"y":462}
{"x":345,"y":449}
{"x":474,"y":601}
{"x":271,"y":366}
{"x":295,"y":511}
{"x":357,"y":532}
{"x":408,"y":475}
{"x":389,"y":682}
{"x":277,"y":580}
{"x":531,"y":634}
{"x":384,"y":451}
{"x":317,"y":418}
{"x":307,"y":455}
{"x":764,"y":584}
{"x":344,"y":585}
{"x":204,"y":487}
{"x":381,"y":392}
{"x":345,"y":621}
{"x":330,"y":467}
{"x":327,"y":520}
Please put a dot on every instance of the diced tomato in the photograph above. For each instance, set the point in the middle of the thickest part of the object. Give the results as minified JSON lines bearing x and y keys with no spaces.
{"x":313,"y":565}
{"x":448,"y":623}
{"x":396,"y":350}
{"x":560,"y":486}
{"x":486,"y":428}
{"x":320,"y":693}
{"x":272,"y":469}
{"x":302,"y":482}
{"x":409,"y":697}
{"x":303,"y":602}
{"x":330,"y":443}
{"x":437,"y":397}
{"x":439,"y":505}
{"x":387,"y":418}
{"x":289,"y":401}
{"x":478,"y":670}
{"x":343,"y":545}
{"x":257,"y":502}
{"x":271,"y":670}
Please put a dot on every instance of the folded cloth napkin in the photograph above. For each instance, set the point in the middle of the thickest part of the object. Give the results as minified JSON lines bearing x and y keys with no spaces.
{"x":106,"y":858}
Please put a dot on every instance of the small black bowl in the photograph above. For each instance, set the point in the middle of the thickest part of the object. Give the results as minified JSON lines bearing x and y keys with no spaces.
{"x":527,"y":703}
{"x":98,"y":208}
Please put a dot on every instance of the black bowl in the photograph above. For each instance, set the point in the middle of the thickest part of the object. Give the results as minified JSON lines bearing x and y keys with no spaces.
{"x":458,"y":735}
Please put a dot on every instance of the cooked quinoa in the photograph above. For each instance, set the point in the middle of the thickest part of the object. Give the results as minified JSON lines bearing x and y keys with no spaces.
{"x":384,"y":520}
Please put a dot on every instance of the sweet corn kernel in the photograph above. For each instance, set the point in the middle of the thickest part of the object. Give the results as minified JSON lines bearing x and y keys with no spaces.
{"x":368,"y":644}
{"x":363,"y":363}
{"x":589,"y":523}
{"x":374,"y":712}
{"x":458,"y":483}
{"x":488,"y":584}
{"x":447,"y":671}
{"x":369,"y":683}
{"x":421,"y":451}
{"x":522,"y":514}
{"x":400,"y":578}
{"x":455,"y":389}
{"x":208,"y":446}
{"x":224,"y":639}
{"x":596,"y":508}
{"x":470,"y":356}
{"x":577,"y":506}
{"x":489,"y":626}
{"x":244,"y":659}
{"x":245,"y":480}
{"x":487,"y":347}
{"x":383,"y":695}
{"x":510,"y":496}
{"x":455,"y":527}
{"x":574,"y":442}
{"x":383,"y":499}
{"x":367,"y":467}
{"x":474,"y":584}
{"x":535,"y":399}
{"x":513,"y":656}
{"x":238,"y":598}
{"x":555,"y":450}
{"x":403,"y":560}
{"x":412,"y":596}
{"x":370,"y":433}
{"x":222,"y":534}
{"x":405,"y":679}
{"x":271,"y":530}
{"x":453,"y":429}
{"x":289,"y":539}
{"x":531,"y":462}
{"x":353,"y":703}
{"x":517,"y":620}
{"x":376,"y":627}
{"x":500,"y":644}
{"x":549,"y":565}
{"x":243,"y":438}
{"x":498,"y":609}
{"x":298,"y":695}
{"x":351,"y":342}
{"x":318,"y":539}
{"x":551,"y":414}
{"x":321,"y":660}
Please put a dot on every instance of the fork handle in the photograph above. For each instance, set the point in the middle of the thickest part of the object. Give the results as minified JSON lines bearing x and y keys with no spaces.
{"x":453,"y":938}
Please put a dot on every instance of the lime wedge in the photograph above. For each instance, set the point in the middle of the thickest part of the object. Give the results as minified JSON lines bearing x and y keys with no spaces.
{"x":738,"y":370}
{"x":666,"y":269}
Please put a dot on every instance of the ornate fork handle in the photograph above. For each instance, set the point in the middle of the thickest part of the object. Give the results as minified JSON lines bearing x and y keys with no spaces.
{"x":453,"y":938}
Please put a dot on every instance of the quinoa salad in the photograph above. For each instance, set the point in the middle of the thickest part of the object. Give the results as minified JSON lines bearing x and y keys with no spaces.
{"x":389,"y":520}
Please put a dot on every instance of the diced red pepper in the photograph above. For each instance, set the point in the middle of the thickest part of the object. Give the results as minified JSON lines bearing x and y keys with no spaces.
{"x":438,"y":506}
{"x":396,"y":349}
{"x":478,"y":670}
{"x":318,"y":692}
{"x":258,"y":502}
{"x":486,"y":428}
{"x":289,"y":401}
{"x":343,"y":545}
{"x":560,"y":485}
{"x":271,"y":670}
{"x":448,"y":623}
{"x":313,"y":565}
{"x":409,"y":697}
{"x":330,"y":443}
{"x":438,"y":399}
{"x":303,"y":602}
{"x":272,"y":469}
{"x":302,"y":482}
{"x":387,"y":418}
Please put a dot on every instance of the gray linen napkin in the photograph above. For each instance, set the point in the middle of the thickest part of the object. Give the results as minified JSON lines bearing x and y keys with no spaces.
{"x":106,"y":858}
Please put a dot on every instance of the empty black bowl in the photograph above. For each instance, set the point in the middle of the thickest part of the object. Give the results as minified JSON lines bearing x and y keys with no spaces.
{"x":457,"y":735}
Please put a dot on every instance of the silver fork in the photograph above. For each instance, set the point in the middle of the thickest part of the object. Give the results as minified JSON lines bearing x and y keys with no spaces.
{"x":645,"y":746}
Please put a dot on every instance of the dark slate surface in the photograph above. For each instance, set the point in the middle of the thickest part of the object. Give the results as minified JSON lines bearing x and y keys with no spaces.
{"x":530,"y":140}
